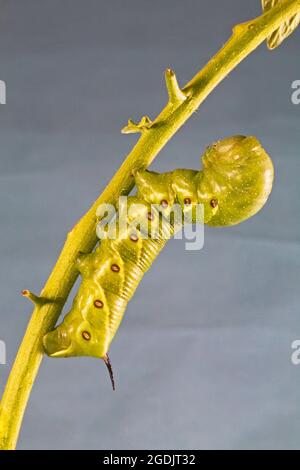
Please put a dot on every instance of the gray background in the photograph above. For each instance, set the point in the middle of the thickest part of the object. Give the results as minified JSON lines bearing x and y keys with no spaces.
{"x":203,"y":357}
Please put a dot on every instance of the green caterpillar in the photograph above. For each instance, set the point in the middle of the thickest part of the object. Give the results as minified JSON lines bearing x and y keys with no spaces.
{"x":234,"y":184}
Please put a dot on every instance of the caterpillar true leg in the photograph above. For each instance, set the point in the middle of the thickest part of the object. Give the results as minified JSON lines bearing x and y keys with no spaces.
{"x":234,"y":184}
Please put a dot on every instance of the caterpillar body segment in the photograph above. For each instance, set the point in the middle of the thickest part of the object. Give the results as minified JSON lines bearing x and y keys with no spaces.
{"x":233,"y":185}
{"x":110,"y":276}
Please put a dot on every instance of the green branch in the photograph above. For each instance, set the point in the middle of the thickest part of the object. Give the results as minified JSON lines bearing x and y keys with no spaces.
{"x":154,"y":135}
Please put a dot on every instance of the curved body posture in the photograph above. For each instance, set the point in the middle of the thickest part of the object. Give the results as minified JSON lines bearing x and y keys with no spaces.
{"x":233,"y":185}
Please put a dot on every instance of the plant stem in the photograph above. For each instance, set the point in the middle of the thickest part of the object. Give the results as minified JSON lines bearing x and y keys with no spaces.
{"x":182,"y":104}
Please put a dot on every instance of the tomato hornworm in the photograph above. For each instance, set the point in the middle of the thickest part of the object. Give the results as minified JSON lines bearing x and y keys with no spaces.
{"x":234,"y":184}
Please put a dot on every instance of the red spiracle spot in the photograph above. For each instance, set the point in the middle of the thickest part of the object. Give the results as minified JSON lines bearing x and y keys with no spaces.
{"x":115,"y":268}
{"x":214,"y":203}
{"x":164,"y":203}
{"x":86,"y":335}
{"x":134,"y":237}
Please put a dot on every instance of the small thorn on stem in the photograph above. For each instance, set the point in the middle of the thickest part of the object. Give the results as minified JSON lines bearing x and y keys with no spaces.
{"x":131,"y":128}
{"x":39,"y":301}
{"x":35,"y":299}
{"x":31,"y":296}
{"x":176,"y":95}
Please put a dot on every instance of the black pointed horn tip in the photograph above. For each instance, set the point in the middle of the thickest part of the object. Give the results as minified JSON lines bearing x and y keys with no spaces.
{"x":110,"y":371}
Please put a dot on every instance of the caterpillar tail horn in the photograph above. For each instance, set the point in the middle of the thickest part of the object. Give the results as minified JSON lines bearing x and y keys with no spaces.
{"x":110,"y":371}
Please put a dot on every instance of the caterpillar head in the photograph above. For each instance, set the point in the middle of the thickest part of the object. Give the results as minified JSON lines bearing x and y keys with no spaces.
{"x":236,"y":180}
{"x":84,"y":330}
